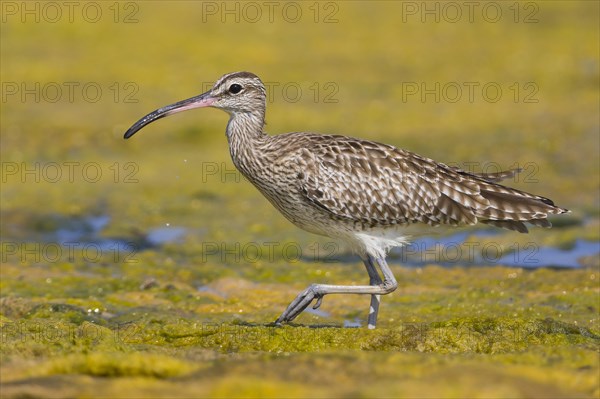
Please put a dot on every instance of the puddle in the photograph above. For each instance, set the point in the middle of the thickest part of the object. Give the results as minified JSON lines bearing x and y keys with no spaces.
{"x":464,"y":249}
{"x":317,"y":312}
{"x":85,"y":232}
{"x":165,"y":235}
{"x":555,"y":257}
{"x":356,"y":323}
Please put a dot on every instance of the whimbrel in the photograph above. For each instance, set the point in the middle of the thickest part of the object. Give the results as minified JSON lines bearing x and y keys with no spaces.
{"x":365,"y":193}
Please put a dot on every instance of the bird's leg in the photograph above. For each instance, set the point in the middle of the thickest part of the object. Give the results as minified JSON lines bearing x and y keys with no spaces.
{"x":317,"y":291}
{"x":374,"y":279}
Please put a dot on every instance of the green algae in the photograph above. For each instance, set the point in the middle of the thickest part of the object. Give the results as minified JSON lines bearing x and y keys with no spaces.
{"x":120,"y":365}
{"x":522,"y":336}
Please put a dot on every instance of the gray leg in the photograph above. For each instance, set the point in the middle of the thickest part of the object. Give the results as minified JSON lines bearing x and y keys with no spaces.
{"x":317,"y":291}
{"x":374,"y":279}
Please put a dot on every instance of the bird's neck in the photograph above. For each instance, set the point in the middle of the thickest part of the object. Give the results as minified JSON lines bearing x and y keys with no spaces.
{"x":244,"y":131}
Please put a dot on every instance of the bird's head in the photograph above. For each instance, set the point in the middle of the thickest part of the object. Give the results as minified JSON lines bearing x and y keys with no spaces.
{"x":237,"y":92}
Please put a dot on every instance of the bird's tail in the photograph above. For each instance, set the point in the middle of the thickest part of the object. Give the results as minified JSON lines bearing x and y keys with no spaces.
{"x":510,"y":208}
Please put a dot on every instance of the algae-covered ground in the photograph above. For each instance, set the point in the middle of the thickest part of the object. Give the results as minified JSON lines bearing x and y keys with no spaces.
{"x":150,"y":268}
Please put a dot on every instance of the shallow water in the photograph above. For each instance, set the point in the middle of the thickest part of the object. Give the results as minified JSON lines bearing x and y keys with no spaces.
{"x":462,"y":248}
{"x":556,"y":257}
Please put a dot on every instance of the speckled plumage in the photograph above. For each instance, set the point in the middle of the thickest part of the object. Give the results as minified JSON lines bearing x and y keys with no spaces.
{"x":360,"y":191}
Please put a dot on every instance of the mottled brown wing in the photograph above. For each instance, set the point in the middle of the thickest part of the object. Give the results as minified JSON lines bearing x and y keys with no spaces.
{"x":380,"y":185}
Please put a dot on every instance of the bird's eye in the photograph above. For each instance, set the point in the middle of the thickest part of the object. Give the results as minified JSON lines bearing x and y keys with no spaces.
{"x":235,"y":88}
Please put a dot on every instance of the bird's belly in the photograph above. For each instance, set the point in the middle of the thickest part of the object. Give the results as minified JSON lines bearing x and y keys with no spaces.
{"x":302,"y":213}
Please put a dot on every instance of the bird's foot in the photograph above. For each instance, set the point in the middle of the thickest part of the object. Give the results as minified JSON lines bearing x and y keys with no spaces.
{"x":301,"y":302}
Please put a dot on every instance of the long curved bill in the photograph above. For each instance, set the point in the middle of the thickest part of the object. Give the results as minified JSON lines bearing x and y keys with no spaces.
{"x":203,"y":100}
